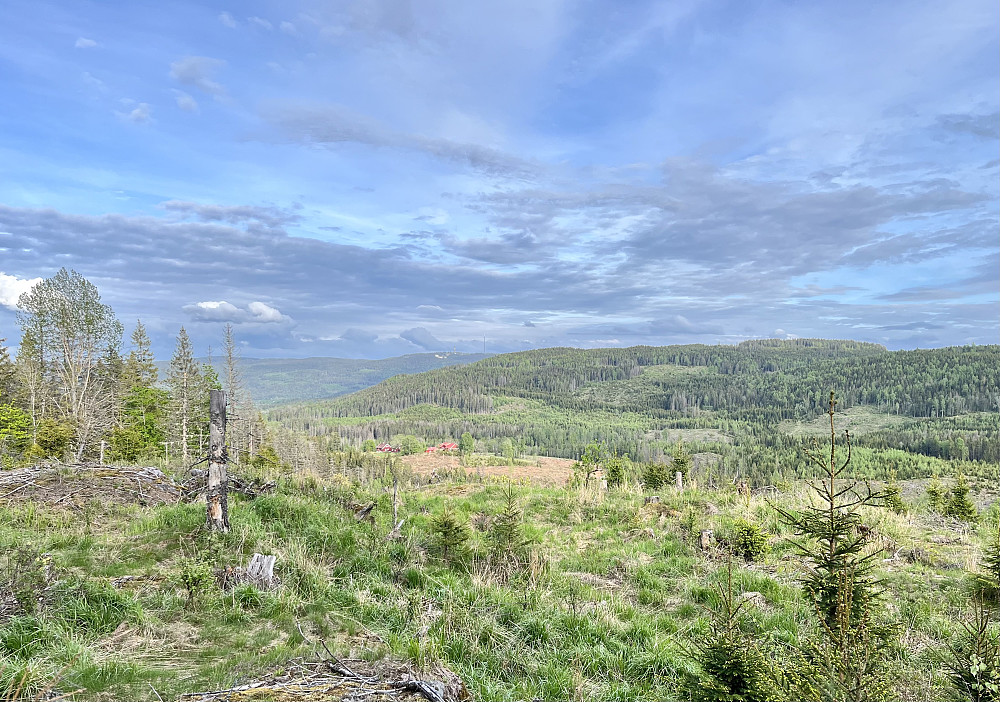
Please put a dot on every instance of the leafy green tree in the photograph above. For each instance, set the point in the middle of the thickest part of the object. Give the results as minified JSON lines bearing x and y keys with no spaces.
{"x":368,"y":445}
{"x":15,"y":431}
{"x":75,"y":339}
{"x":592,"y":460}
{"x":466,"y":444}
{"x":52,"y":439}
{"x":410,"y":444}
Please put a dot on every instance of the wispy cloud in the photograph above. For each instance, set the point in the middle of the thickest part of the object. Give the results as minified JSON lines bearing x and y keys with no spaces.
{"x":197,"y":71}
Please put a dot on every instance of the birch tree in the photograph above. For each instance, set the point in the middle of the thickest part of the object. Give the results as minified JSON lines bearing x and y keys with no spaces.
{"x":75,"y":340}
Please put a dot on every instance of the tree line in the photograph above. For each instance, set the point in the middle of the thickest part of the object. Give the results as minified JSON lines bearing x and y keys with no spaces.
{"x":71,"y":393}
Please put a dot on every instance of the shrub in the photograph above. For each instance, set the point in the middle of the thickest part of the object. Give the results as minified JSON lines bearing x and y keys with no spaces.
{"x":655,"y":475}
{"x":194,"y":576}
{"x":750,"y":541}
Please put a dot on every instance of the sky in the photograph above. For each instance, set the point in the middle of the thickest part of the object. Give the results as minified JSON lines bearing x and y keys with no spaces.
{"x":368,"y":178}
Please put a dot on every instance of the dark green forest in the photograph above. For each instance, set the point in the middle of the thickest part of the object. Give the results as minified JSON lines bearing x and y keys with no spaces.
{"x":751,"y":404}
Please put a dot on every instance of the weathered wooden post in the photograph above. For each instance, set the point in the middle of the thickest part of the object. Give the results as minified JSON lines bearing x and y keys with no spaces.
{"x":679,"y":480}
{"x":217,"y":494}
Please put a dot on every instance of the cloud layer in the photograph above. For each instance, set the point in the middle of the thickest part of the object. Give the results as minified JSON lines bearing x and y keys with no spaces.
{"x":374,"y":178}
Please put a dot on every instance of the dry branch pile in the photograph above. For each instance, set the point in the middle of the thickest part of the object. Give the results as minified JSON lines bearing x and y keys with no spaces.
{"x":336,"y":681}
{"x":76,"y":484}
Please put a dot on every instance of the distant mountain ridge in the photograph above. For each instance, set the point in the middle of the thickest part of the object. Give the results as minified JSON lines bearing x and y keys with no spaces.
{"x":273,"y":381}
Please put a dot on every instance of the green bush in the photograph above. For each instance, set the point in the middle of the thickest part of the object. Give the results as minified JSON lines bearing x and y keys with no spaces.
{"x":749,"y":540}
{"x":655,"y":475}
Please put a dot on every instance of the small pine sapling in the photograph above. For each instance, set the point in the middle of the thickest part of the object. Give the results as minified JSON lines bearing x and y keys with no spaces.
{"x":450,"y":535}
{"x":655,"y":476}
{"x":839,"y":578}
{"x":508,"y":544}
{"x":893,"y":497}
{"x":959,"y":505}
{"x":936,"y":495}
{"x":616,"y":468}
{"x":749,"y":540}
{"x":973,"y":663}
{"x":681,"y":460}
{"x":990,"y":579}
{"x":731,"y":666}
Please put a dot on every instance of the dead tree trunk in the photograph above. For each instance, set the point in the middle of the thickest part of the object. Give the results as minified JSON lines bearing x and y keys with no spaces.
{"x":217,"y":494}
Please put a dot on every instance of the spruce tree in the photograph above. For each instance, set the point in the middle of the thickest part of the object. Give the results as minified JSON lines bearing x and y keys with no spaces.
{"x":139,"y":369}
{"x":185,"y":381}
{"x":507,"y":540}
{"x":450,"y":535}
{"x":959,"y":505}
{"x":840,"y":580}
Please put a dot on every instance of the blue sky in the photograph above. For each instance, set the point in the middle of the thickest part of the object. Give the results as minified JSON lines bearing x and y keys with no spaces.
{"x":381,"y":177}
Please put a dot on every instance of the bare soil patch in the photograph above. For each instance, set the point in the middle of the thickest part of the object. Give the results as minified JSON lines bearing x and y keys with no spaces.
{"x":542,"y":470}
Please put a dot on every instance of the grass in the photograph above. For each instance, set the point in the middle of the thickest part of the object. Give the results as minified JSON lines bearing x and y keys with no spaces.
{"x":604,"y":610}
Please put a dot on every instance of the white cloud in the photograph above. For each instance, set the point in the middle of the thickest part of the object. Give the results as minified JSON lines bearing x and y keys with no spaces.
{"x":84,"y":43}
{"x":221,"y":311}
{"x":185,"y":101}
{"x":265,"y":313}
{"x":289,"y":28}
{"x":227,"y":20}
{"x":196,"y":71}
{"x":141,"y":114}
{"x":12,"y":287}
{"x":261,"y":22}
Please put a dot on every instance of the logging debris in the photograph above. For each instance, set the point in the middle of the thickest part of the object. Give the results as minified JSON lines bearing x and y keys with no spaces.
{"x":336,"y":680}
{"x":75,"y":484}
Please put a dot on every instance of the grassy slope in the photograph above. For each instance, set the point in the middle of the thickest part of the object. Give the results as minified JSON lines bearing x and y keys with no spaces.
{"x":603,"y":613}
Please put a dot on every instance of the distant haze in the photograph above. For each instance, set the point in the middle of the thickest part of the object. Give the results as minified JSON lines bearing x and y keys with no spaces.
{"x":373,"y":178}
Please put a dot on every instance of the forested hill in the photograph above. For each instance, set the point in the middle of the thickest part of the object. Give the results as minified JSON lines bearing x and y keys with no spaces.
{"x":777,"y":379}
{"x":556,"y":400}
{"x":273,"y":381}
